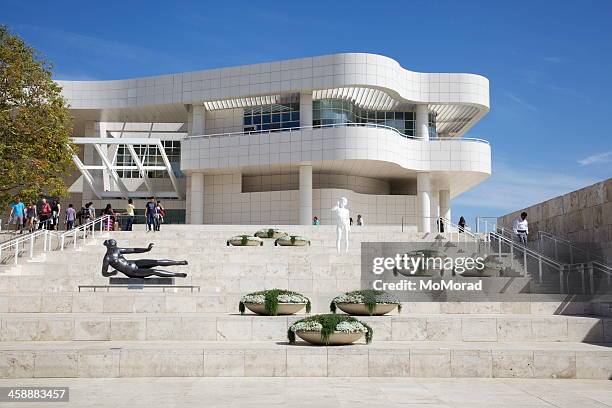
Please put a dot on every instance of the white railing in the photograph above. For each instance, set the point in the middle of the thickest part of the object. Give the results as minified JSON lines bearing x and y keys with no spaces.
{"x":335,"y":125}
{"x":445,"y":226}
{"x":559,"y":246}
{"x":28,"y":242}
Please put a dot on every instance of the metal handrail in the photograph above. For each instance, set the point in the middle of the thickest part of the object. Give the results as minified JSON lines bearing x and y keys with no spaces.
{"x":82,"y":230}
{"x":573,"y":248}
{"x":334,"y":125}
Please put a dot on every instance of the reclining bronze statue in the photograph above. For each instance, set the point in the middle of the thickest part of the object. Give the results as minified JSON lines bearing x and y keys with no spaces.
{"x":138,"y":268}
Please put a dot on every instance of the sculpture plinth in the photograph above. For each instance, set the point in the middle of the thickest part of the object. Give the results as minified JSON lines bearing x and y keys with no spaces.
{"x":140,"y":281}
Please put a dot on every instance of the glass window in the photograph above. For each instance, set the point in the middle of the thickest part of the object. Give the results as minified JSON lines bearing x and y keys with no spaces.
{"x":271,"y":117}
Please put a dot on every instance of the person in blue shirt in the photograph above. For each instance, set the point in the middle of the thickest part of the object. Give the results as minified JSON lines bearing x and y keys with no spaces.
{"x":17,"y":213}
{"x":150,"y":213}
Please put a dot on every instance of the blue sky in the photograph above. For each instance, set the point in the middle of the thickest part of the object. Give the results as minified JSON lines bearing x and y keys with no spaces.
{"x":549,"y":64}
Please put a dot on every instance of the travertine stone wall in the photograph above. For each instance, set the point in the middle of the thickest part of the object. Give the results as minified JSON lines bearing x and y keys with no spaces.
{"x":583,"y":216}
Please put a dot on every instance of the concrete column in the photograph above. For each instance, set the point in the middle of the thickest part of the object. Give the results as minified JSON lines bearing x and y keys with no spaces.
{"x":423,"y":202}
{"x":196,"y":198}
{"x":196,"y":123}
{"x":444,"y":202}
{"x":306,"y":109}
{"x":305,"y":194}
{"x":422,"y":122}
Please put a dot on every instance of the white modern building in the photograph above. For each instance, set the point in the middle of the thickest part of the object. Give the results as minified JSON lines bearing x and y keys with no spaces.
{"x":280,"y":142}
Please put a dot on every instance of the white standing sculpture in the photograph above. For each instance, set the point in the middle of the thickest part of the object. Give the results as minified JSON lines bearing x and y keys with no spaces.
{"x":343,"y":225}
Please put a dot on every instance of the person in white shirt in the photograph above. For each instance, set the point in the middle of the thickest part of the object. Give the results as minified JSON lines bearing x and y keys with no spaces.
{"x":360,"y":220}
{"x":521,"y":228}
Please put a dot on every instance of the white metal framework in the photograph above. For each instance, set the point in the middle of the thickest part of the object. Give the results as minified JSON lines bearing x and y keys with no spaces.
{"x":111,"y":168}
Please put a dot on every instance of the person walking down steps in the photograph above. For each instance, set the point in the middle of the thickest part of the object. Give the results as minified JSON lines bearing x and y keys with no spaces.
{"x":521,"y":228}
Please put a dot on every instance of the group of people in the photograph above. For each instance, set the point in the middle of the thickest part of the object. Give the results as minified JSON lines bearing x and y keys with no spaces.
{"x":47,"y":215}
{"x":154,"y":214}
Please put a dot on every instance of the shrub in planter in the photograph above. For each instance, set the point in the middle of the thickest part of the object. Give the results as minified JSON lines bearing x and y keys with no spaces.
{"x":273,"y":302}
{"x":244,"y":240}
{"x":270,"y":233}
{"x":423,"y":270}
{"x":292,"y":240}
{"x":329,"y":329}
{"x":365,"y":302}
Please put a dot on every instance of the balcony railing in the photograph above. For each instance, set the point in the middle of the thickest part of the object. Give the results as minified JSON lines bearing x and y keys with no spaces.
{"x":335,"y":125}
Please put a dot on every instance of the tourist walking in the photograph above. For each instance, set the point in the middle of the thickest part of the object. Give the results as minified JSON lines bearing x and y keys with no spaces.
{"x":31,"y":214}
{"x":110,"y":221}
{"x":360,"y":220}
{"x":315,"y":221}
{"x":70,"y":217}
{"x":130,"y":215}
{"x":160,"y":212}
{"x":462,"y":224}
{"x":521,"y":228}
{"x":150,"y":211}
{"x":56,"y":210}
{"x":92,"y":211}
{"x":17,"y":215}
{"x":45,"y":214}
{"x":440,"y":223}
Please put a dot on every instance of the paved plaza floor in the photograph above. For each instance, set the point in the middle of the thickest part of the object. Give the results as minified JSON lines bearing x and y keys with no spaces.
{"x":324,"y":392}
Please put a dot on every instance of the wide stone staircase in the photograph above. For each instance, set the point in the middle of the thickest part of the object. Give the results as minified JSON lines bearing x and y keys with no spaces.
{"x":49,"y":327}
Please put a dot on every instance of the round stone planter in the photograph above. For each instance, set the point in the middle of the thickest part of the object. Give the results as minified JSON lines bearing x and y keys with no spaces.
{"x":359,"y":309}
{"x":275,"y":233}
{"x":335,"y":339}
{"x":250,"y":241}
{"x":283,"y":308}
{"x":297,"y":241}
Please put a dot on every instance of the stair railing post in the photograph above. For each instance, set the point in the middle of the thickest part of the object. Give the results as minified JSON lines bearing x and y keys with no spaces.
{"x":561,"y":279}
{"x":571,"y":254}
{"x":477,"y":224}
{"x":525,"y":260}
{"x":74,"y":239}
{"x":591,"y":278}
{"x":540,"y":267}
{"x":16,"y":251}
{"x":31,"y":246}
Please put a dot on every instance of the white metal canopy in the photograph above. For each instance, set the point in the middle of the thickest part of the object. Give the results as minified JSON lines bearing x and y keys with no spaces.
{"x":112,"y":168}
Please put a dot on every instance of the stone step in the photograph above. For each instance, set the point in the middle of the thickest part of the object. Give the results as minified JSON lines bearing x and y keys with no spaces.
{"x":273,"y":358}
{"x":250,"y":327}
{"x":152,"y":301}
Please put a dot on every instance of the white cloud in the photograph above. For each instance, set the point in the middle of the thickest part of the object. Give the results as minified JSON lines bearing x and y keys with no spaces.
{"x":596,"y":158}
{"x":521,"y":102}
{"x":513,"y":186}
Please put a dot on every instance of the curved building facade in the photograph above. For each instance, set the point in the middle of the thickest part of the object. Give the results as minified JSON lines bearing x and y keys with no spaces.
{"x":280,"y":142}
